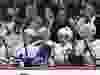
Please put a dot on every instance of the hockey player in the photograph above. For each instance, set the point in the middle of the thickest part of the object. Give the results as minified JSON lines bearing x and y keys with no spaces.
{"x":61,"y":50}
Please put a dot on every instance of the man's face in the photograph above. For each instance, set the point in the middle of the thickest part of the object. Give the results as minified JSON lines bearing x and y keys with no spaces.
{"x":63,"y":38}
{"x":13,"y":11}
{"x":89,"y":10}
{"x":36,"y":22}
{"x":85,"y":28}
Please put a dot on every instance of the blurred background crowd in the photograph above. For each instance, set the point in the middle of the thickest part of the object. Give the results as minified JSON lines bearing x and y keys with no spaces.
{"x":62,"y":30}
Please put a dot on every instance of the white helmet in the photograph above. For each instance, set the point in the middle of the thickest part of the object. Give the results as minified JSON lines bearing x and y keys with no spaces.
{"x":65,"y":33}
